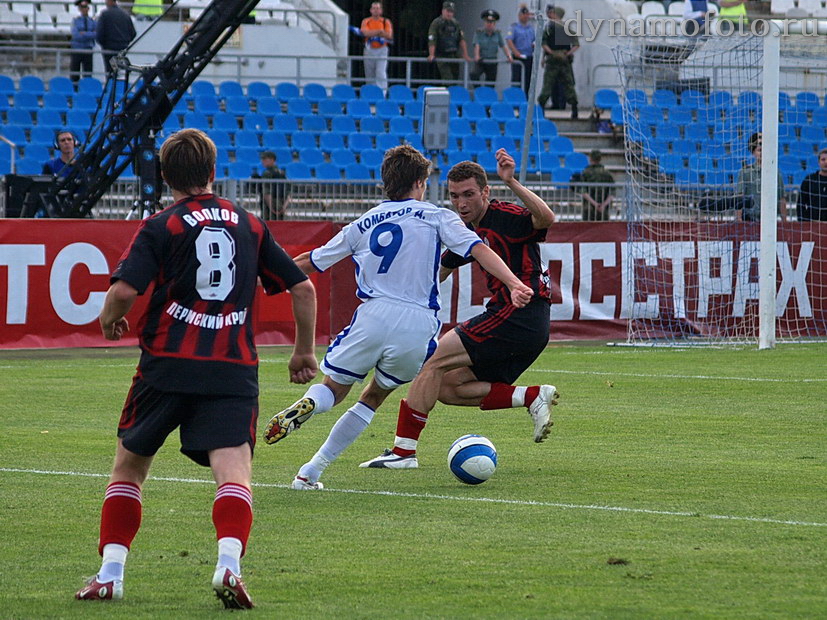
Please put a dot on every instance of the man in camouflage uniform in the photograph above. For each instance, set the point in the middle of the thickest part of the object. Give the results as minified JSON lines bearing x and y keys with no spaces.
{"x":445,"y":39}
{"x":559,"y":48}
{"x":597,"y":200}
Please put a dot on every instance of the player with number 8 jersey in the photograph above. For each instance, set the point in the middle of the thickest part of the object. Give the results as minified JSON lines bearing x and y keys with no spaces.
{"x":396,"y":247}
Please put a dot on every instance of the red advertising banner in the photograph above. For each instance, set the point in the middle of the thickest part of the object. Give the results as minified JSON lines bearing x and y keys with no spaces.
{"x":54,"y":275}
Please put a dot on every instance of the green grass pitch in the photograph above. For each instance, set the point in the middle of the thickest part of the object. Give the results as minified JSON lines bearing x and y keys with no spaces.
{"x":675,"y":484}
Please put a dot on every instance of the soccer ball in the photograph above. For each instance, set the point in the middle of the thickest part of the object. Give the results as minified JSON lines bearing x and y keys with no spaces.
{"x":472,"y":459}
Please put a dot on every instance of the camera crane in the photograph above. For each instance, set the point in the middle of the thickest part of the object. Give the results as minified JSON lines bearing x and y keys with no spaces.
{"x":133,"y":114}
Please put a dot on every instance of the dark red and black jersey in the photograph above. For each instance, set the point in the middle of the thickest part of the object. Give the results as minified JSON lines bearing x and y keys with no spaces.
{"x":204,"y":256}
{"x":507,"y":229}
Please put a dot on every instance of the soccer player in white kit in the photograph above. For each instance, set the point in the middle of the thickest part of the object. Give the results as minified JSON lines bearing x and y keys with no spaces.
{"x":396,"y":247}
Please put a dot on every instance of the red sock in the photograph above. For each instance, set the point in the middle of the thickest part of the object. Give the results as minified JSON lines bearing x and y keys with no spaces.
{"x":409,"y":426}
{"x":531,"y":394}
{"x":232,"y":512}
{"x":120,"y":514}
{"x":499,"y":397}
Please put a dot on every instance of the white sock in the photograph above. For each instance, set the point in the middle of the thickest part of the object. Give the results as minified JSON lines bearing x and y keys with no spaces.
{"x":346,"y":430}
{"x":518,"y":397}
{"x":114,"y":558}
{"x":229,"y":554}
{"x":322,"y":396}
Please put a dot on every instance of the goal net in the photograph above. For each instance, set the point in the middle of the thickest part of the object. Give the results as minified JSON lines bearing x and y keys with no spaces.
{"x":698,"y":113}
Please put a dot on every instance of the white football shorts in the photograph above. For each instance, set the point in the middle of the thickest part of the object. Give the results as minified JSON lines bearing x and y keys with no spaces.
{"x":394,"y":338}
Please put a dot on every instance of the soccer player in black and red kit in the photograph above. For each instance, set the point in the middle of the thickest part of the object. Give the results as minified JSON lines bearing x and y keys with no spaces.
{"x":199,"y":368}
{"x":476,"y":364}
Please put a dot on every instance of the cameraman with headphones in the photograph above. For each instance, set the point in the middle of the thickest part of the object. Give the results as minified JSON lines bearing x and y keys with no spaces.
{"x":65,"y":143}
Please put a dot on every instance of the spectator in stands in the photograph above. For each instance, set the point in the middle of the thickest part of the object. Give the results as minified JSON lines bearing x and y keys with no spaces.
{"x":520,"y":40}
{"x":378,"y":33}
{"x":748,"y":185}
{"x":696,"y":13}
{"x":812,"y":197}
{"x":445,"y":40}
{"x":274,"y":196}
{"x":559,"y":48}
{"x":487,"y":43}
{"x":65,"y":144}
{"x":114,"y":33}
{"x":83,"y":40}
{"x":597,"y":199}
{"x":148,"y":9}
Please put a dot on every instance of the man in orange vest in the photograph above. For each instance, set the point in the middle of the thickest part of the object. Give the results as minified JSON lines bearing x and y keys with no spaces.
{"x":378,"y":34}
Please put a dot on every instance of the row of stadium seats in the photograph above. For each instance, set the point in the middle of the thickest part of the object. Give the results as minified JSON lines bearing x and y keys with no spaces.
{"x":606,"y":98}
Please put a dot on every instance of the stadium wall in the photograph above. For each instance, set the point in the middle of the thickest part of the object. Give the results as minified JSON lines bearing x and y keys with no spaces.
{"x":54,"y":275}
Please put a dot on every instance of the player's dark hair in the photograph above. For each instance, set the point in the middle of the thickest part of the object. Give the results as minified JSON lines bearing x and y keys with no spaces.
{"x":468,"y":170}
{"x":188,"y":160}
{"x":402,"y":167}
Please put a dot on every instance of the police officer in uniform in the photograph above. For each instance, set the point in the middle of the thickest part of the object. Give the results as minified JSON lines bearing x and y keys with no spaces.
{"x":487,"y":43}
{"x":445,"y":39}
{"x":559,"y":48}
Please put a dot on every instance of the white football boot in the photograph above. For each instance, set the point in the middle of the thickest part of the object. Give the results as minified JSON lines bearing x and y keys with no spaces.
{"x":540,"y":411}
{"x":303,"y":484}
{"x":389,"y":460}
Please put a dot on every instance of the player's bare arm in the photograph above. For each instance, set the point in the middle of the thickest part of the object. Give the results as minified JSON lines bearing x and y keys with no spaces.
{"x":541,"y":214}
{"x":303,"y":263}
{"x":303,"y":365}
{"x":119,"y":300}
{"x":493,"y":264}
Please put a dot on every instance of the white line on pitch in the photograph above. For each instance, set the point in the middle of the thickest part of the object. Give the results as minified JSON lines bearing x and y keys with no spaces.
{"x":660,"y":376}
{"x":492,"y":500}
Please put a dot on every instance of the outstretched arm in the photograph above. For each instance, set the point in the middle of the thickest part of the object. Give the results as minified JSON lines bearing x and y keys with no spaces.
{"x":302,"y":364}
{"x":541,"y":214}
{"x":493,"y":264}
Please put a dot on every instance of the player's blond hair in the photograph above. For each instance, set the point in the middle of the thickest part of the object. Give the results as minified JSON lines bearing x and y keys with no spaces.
{"x":188,"y":160}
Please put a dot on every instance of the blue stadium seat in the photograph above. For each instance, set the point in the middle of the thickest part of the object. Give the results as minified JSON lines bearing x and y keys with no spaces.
{"x":401,"y":126}
{"x":328,"y":172}
{"x":63,"y":85}
{"x":789,"y":164}
{"x":257,"y":90}
{"x":636,"y":97}
{"x":400,"y":94}
{"x":784,"y":101}
{"x":812,"y":133}
{"x":79,"y":118}
{"x":329,"y":108}
{"x":474,"y":111}
{"x":671,"y":163}
{"x":44,"y":136}
{"x":459,"y":94}
{"x":503,"y":142}
{"x":576,"y":161}
{"x":357,"y":108}
{"x":387,"y":110}
{"x":667,"y":131}
{"x":715,"y":178}
{"x":650,"y":114}
{"x":284,"y":156}
{"x":750,"y":98}
{"x":514,"y":129}
{"x":330,"y":142}
{"x":698,"y":132}
{"x":485,"y":95}
{"x":311,"y":157}
{"x":207,"y":104}
{"x":49,"y":118}
{"x":514,"y":96}
{"x":561,"y":145}
{"x":372,"y":125}
{"x":561,"y":176}
{"x":32,"y":84}
{"x":804,"y":150}
{"x":415,"y":140}
{"x":371,"y":93}
{"x":286,"y":91}
{"x":240,"y":170}
{"x":655,"y":148}
{"x":720,"y":99}
{"x":342,"y":157}
{"x":413,"y":109}
{"x":454,"y":157}
{"x":56,"y":101}
{"x":248,"y":155}
{"x":664,"y":98}
{"x":225,"y":122}
{"x":90,"y":86}
{"x":796,"y":116}
{"x":687,"y":178}
{"x":786,"y":132}
{"x":20,"y":118}
{"x":237,"y":105}
{"x":372,"y":158}
{"x":31,"y":165}
{"x":385,"y":141}
{"x":679,"y":115}
{"x":459,"y":127}
{"x":545,"y":128}
{"x":487,"y":127}
{"x":820,"y":116}
{"x":684,"y":148}
{"x":343,"y":93}
{"x":315,"y":92}
{"x":7,"y":86}
{"x":693,"y":98}
{"x":221,"y":138}
{"x":286,"y":123}
{"x":606,"y":98}
{"x":269,"y":106}
{"x":273,"y":140}
{"x":343,"y":124}
{"x":488,"y":161}
{"x":806,"y":101}
{"x":502,"y":111}
{"x":707,"y":114}
{"x":474,"y":144}
{"x":255,"y":121}
{"x":357,"y":172}
{"x":15,"y":133}
{"x":247,"y":139}
{"x":359,"y":142}
{"x":302,"y":140}
{"x":202,"y":88}
{"x":230,"y":88}
{"x":26,"y":101}
{"x":299,"y":107}
{"x":313,"y":123}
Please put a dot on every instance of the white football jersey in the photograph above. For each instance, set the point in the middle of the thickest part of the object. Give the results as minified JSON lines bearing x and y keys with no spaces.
{"x":397,"y":246}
